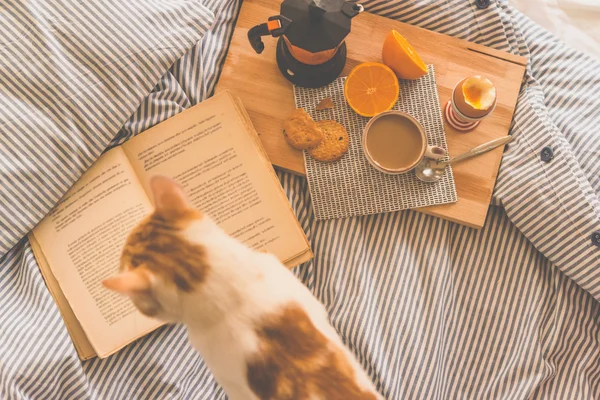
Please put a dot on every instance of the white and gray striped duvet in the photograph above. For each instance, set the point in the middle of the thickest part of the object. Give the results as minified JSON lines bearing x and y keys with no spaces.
{"x":433,"y":310}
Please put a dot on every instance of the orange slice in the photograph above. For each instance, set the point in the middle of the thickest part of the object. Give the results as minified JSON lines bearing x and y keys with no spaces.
{"x":371,"y":88}
{"x":399,"y":55}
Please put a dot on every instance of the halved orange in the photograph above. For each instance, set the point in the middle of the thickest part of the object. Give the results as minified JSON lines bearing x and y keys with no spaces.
{"x":399,"y":55}
{"x":371,"y":88}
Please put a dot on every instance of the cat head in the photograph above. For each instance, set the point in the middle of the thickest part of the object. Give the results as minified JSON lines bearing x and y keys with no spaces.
{"x":159,"y":263}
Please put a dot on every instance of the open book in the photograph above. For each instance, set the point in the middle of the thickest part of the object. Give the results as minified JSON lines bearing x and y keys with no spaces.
{"x":213,"y":151}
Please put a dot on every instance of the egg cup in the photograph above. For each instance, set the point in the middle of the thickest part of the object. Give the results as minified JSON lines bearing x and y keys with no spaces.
{"x":458,"y":119}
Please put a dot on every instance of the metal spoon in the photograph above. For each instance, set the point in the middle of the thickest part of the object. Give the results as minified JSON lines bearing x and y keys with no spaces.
{"x":429,"y":170}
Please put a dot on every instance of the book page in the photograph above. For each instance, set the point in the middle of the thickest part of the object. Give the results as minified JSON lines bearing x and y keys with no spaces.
{"x":84,"y":348}
{"x":209,"y":150}
{"x":82,"y":239}
{"x":302,"y":257}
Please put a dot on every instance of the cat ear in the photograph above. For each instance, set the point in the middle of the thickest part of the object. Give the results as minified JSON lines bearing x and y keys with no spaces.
{"x":168,"y":195}
{"x":129,"y":282}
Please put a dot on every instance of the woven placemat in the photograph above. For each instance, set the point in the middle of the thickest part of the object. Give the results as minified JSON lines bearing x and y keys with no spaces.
{"x":351,"y":186}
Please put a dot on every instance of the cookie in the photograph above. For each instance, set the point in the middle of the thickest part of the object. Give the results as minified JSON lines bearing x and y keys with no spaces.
{"x":301,"y":131}
{"x":335,"y":142}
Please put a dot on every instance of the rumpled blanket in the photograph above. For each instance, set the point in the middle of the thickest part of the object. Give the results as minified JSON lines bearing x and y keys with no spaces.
{"x":432,"y":309}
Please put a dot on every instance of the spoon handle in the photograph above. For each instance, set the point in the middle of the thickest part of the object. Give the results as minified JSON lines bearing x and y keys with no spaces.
{"x":481,"y":149}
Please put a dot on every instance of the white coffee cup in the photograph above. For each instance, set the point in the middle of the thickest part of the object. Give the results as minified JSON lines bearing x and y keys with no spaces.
{"x":411,"y":156}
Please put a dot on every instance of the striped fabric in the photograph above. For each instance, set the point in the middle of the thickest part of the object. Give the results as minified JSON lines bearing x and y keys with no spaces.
{"x":556,"y":204}
{"x":72,"y":73}
{"x":432,"y":309}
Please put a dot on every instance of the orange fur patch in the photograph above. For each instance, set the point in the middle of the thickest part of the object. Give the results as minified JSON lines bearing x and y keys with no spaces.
{"x":157,"y":245}
{"x":296,"y":362}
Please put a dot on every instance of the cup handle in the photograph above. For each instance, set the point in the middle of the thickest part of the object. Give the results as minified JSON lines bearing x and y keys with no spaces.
{"x":435,"y":152}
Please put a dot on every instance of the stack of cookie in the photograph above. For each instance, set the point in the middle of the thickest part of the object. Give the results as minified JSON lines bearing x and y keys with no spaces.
{"x":325,"y":141}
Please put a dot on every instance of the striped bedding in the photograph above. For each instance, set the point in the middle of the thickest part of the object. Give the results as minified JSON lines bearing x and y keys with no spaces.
{"x":433,"y":310}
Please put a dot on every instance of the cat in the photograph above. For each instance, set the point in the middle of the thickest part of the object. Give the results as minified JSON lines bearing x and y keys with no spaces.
{"x":260,"y":331}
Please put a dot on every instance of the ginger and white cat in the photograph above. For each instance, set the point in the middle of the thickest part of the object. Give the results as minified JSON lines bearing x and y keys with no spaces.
{"x":260,"y":331}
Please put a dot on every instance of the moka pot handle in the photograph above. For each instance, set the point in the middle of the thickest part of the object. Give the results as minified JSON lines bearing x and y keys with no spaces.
{"x":275,"y":26}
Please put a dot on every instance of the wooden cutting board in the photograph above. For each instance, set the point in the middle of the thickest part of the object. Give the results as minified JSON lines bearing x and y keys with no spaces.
{"x":268,"y":97}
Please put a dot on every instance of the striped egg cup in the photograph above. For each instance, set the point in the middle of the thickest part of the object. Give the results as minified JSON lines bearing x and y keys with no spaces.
{"x":458,"y":120}
{"x":454,"y":119}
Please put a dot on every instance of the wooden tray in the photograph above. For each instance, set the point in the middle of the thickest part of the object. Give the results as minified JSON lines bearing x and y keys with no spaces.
{"x":268,"y":97}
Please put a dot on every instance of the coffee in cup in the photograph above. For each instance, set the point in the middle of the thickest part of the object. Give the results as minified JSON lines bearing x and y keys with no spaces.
{"x":394,"y":142}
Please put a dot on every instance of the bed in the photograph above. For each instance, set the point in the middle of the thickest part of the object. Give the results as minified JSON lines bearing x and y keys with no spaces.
{"x":432,"y":309}
{"x":575,"y":22}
